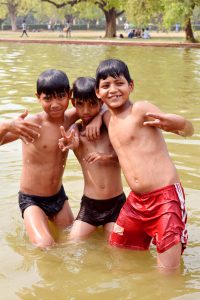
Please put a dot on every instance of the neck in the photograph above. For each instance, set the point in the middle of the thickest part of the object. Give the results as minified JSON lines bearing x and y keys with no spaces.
{"x":121,"y":109}
{"x":58,"y":121}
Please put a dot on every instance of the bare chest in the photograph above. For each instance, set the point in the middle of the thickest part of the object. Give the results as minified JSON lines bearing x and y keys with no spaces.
{"x":123,"y":132}
{"x":102,"y":144}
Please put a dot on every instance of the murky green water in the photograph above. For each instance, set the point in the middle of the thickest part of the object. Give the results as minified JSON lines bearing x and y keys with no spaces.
{"x":170,"y":78}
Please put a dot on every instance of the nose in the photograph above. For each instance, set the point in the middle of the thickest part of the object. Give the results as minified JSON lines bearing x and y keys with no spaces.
{"x":112,"y":88}
{"x":54,"y":103}
{"x":85,"y":108}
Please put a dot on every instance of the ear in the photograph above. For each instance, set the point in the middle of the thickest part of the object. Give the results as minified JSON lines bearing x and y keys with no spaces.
{"x":97,"y":93}
{"x":131,"y":85}
{"x":70,"y":94}
{"x":37,"y":96}
{"x":73,"y":101}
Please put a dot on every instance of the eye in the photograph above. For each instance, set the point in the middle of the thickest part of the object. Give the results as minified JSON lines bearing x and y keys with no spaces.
{"x":104,"y":86}
{"x":62,"y":95}
{"x":120,"y":83}
{"x":79,"y":103}
{"x":47,"y":98}
{"x":93,"y":104}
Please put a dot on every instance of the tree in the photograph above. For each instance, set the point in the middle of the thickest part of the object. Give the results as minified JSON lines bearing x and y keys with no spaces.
{"x":111,"y":9}
{"x":15,"y":8}
{"x":170,"y":11}
{"x":11,"y":7}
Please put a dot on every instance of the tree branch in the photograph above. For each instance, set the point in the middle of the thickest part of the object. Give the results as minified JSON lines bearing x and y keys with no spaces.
{"x":69,"y":2}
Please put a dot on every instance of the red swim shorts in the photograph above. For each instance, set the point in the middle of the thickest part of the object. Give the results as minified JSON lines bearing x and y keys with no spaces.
{"x":159,"y":216}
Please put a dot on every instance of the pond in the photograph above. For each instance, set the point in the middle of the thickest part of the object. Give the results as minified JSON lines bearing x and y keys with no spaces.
{"x":168,"y":77}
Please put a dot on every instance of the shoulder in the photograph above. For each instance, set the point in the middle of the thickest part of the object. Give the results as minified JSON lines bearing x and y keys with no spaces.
{"x":144,"y":106}
{"x":106,"y":117}
{"x":37,"y":118}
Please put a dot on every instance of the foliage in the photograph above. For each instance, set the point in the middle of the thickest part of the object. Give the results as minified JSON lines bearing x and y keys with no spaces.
{"x":3,"y":12}
{"x":168,"y":11}
{"x":87,"y":11}
{"x":143,"y":12}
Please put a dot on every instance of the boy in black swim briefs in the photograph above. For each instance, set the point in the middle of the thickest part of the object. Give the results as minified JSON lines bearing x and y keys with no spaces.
{"x":103,"y":192}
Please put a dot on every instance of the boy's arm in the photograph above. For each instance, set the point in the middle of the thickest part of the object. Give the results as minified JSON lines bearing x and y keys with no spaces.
{"x":98,"y":156}
{"x":11,"y":130}
{"x":170,"y":122}
{"x":92,"y":131}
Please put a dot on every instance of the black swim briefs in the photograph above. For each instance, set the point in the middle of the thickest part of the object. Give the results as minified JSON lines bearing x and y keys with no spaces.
{"x":100,"y":212}
{"x":51,"y":205}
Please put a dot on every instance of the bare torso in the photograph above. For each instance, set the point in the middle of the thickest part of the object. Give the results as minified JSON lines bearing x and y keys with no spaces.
{"x":102,"y":179}
{"x":141,"y":150}
{"x":43,"y":162}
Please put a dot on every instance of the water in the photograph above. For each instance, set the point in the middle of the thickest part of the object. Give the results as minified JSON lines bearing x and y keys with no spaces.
{"x":170,"y":78}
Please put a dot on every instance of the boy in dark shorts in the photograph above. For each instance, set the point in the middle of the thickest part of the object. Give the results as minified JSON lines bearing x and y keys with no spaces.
{"x":103,"y":192}
{"x":155,"y":208}
{"x":42,"y":196}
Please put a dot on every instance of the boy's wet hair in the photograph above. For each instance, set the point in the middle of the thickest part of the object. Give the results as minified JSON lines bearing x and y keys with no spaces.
{"x":83,"y":89}
{"x":114,"y":68}
{"x":53,"y":83}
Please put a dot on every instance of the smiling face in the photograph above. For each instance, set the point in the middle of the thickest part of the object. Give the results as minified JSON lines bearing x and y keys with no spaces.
{"x":54,"y":105}
{"x":114,"y":91}
{"x":87,"y":110}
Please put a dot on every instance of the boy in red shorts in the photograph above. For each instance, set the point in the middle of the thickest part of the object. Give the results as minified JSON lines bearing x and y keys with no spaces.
{"x":155,"y":208}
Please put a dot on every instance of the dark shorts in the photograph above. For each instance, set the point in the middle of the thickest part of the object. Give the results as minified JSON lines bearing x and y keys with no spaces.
{"x":100,"y":212}
{"x":51,"y":205}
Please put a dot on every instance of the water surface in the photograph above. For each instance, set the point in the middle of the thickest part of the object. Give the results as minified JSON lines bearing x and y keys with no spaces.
{"x":168,"y":77}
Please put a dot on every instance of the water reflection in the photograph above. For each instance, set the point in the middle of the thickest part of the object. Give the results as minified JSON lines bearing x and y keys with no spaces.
{"x":92,"y":270}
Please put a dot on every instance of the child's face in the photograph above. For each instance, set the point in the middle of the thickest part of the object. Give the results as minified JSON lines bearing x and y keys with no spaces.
{"x":114,"y":91}
{"x":87,"y":110}
{"x":54,"y":106}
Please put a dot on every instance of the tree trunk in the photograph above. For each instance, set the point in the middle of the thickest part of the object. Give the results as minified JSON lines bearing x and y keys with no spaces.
{"x":189,"y":32}
{"x":110,"y":16}
{"x":12,"y":9}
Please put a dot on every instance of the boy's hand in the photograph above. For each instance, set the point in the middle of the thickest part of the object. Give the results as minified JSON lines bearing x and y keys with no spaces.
{"x":97,"y":156}
{"x":69,"y":140}
{"x":92,"y":131}
{"x":170,"y":122}
{"x":27,"y":131}
{"x":167,"y":122}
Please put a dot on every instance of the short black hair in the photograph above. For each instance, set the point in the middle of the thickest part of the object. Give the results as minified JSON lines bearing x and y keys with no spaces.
{"x":84,"y":89}
{"x":53,"y":82}
{"x":114,"y":68}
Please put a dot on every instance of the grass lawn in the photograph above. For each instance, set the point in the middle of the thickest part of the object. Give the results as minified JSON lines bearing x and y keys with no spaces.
{"x":156,"y":37}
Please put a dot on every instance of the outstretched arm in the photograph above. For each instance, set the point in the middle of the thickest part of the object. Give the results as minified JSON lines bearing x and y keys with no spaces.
{"x":170,"y":122}
{"x":19,"y":128}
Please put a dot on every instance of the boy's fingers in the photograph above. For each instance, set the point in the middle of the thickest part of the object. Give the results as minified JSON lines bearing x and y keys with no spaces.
{"x":62,"y":130}
{"x":154,"y":115}
{"x":71,"y":134}
{"x":24,"y":114}
{"x":155,"y":123}
{"x":30,"y":133}
{"x":31,"y":124}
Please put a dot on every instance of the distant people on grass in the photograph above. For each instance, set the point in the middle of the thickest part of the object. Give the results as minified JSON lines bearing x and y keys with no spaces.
{"x":145,"y":33}
{"x":68,"y":28}
{"x":24,"y":28}
{"x":131,"y":34}
{"x":126,"y":27}
{"x":138,"y":33}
